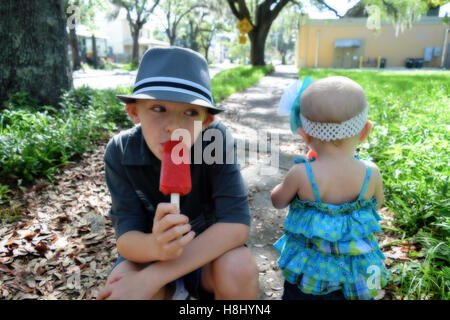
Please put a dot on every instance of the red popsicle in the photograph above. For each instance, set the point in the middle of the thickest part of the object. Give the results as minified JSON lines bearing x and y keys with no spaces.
{"x":175,"y":176}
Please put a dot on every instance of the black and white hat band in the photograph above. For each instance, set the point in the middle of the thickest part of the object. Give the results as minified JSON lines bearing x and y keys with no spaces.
{"x":173,"y":74}
{"x":174,"y":85}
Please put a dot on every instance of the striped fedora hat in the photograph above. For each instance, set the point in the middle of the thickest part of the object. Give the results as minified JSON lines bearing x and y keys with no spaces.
{"x":173,"y":74}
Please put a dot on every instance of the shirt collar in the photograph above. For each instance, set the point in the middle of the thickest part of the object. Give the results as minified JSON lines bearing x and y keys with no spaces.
{"x":136,"y":151}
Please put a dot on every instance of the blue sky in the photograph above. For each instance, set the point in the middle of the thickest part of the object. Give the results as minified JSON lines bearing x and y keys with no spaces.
{"x":343,"y":5}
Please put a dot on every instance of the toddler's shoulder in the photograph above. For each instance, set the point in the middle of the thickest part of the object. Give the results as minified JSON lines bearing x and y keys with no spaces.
{"x":298,"y":170}
{"x":375,"y":171}
{"x":372,"y":165}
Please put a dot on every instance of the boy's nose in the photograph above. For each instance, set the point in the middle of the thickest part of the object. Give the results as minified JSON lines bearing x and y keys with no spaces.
{"x":171,"y":125}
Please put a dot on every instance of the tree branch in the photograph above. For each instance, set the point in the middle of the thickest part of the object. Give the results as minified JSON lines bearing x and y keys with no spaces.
{"x":280,"y":5}
{"x":322,"y":2}
{"x":242,"y":12}
{"x":235,"y":11}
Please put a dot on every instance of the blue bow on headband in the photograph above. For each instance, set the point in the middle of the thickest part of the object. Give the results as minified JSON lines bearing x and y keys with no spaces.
{"x":295,"y":120}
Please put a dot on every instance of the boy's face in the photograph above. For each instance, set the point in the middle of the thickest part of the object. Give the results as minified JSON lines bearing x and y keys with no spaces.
{"x":159,"y":119}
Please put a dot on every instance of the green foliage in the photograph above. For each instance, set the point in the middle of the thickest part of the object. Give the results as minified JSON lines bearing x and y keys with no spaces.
{"x":129,"y":66}
{"x":22,"y":100}
{"x":409,"y":143}
{"x":236,"y":79}
{"x":36,"y":143}
{"x":4,"y":194}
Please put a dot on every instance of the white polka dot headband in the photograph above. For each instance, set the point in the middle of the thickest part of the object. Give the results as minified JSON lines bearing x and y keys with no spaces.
{"x":334,"y":131}
{"x":290,"y":104}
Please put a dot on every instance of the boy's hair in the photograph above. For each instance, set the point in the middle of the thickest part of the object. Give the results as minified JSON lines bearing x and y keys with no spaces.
{"x":333,"y":100}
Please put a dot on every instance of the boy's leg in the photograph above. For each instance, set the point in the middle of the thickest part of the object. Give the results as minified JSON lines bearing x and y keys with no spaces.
{"x":234,"y":275}
{"x":126,"y":266}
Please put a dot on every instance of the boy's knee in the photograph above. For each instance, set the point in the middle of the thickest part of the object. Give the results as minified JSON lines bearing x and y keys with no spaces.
{"x":235,"y":271}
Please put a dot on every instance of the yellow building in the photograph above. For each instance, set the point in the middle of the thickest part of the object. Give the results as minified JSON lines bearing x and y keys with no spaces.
{"x":349,"y":43}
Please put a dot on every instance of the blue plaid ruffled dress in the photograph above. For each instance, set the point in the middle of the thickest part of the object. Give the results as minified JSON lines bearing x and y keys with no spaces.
{"x":328,"y":247}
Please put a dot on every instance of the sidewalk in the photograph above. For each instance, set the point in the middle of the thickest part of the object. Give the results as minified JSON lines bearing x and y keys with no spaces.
{"x":111,"y":79}
{"x":254,"y":110}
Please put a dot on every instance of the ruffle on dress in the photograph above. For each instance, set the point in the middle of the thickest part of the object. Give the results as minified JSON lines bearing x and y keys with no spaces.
{"x":349,"y":221}
{"x":297,"y":258}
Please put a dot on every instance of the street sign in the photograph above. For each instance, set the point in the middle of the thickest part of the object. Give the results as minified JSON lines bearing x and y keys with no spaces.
{"x":242,"y":39}
{"x":244,"y":26}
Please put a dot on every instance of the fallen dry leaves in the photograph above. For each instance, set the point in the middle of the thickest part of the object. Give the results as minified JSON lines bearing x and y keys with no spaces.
{"x":64,"y":246}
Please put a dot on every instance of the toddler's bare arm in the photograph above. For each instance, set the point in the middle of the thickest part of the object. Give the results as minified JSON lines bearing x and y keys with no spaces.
{"x":379,"y":195}
{"x":283,"y":193}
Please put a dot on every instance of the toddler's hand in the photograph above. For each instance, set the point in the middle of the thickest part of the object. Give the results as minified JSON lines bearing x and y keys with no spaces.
{"x":171,"y":231}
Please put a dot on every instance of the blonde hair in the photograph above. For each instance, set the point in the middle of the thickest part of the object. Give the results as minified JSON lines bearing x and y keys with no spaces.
{"x":333,"y":99}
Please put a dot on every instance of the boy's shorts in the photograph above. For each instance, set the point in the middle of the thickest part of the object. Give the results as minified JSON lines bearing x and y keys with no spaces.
{"x":192,"y":282}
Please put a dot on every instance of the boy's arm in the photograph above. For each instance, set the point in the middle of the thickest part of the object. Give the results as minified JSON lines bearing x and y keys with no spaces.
{"x":171,"y":232}
{"x":209,"y":245}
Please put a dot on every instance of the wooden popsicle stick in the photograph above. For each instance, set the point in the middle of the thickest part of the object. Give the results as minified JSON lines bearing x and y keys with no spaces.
{"x":175,"y":198}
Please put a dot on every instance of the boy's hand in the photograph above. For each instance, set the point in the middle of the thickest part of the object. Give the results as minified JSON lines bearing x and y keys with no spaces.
{"x":171,"y":231}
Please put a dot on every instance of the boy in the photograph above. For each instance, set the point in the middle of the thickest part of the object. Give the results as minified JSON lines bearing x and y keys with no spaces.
{"x":199,"y":246}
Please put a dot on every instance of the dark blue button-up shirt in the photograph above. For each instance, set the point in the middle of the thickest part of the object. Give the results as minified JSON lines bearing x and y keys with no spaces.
{"x":132,"y":174}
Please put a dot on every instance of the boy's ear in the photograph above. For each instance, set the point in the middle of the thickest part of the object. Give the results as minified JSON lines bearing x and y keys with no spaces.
{"x":209,"y":118}
{"x":132,"y":112}
{"x":304,"y":135}
{"x":365,"y":131}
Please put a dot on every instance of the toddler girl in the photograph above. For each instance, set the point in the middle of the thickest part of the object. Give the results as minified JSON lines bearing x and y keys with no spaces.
{"x":328,"y":250}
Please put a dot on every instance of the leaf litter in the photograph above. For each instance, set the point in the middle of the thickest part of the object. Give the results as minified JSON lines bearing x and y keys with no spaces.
{"x":63,"y":246}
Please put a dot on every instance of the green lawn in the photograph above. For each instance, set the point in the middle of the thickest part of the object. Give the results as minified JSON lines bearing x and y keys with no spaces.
{"x":409,"y":142}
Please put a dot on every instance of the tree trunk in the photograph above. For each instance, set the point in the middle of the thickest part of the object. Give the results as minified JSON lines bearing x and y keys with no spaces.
{"x":135,"y":56}
{"x":94,"y":52}
{"x":207,"y":53}
{"x":34,"y":45}
{"x":171,"y":35}
{"x":258,"y":38}
{"x":74,"y":46}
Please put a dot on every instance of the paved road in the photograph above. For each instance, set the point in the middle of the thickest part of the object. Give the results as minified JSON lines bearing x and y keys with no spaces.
{"x":251,"y":112}
{"x":108,"y":79}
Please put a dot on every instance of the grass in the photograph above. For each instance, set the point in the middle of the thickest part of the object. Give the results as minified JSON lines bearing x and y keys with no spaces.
{"x":229,"y":81}
{"x":409,"y":143}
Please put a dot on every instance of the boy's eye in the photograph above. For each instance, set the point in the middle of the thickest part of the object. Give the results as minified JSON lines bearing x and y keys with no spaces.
{"x":191,"y":113}
{"x":158,"y":109}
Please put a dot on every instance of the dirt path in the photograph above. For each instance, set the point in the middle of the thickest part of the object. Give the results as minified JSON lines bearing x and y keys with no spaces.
{"x":64,"y":245}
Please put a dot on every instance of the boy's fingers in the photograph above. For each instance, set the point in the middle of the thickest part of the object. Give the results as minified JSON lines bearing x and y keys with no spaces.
{"x":169,"y":221}
{"x":184,"y":241}
{"x":175,"y":248}
{"x":174,"y":233}
{"x":165,"y":208}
